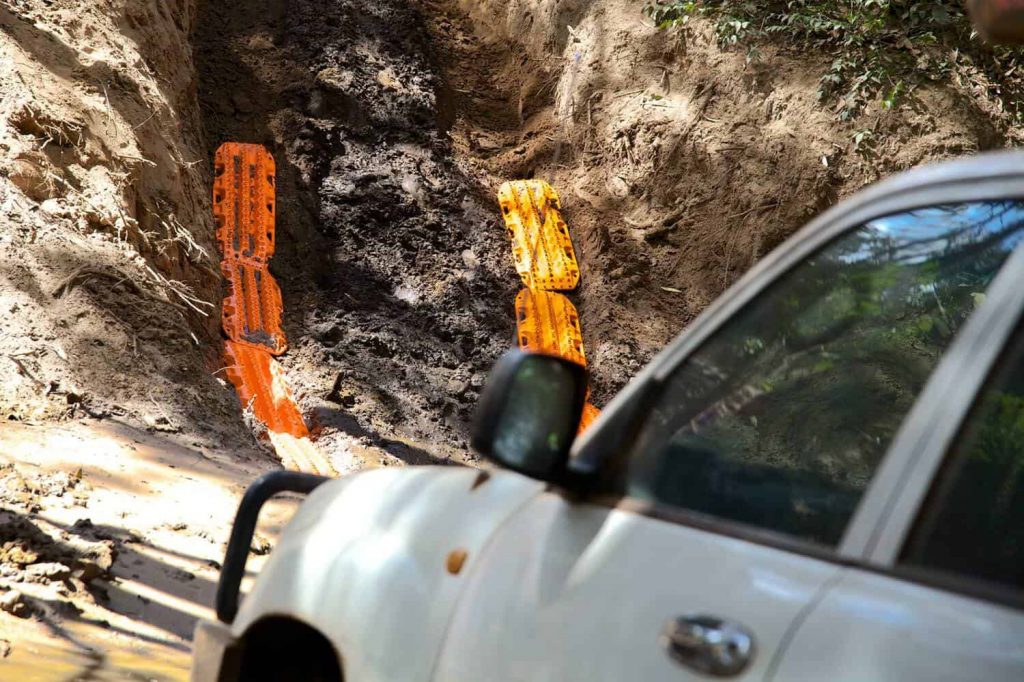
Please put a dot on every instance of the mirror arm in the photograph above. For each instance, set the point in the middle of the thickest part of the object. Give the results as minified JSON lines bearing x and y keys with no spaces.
{"x":608,"y":450}
{"x":577,"y":481}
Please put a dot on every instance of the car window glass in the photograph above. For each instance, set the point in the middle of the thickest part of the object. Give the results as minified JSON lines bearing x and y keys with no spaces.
{"x":972,"y":523}
{"x":780,"y":419}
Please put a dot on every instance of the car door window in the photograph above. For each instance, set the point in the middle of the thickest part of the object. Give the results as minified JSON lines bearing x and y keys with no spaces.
{"x":972,"y":523}
{"x":780,"y":419}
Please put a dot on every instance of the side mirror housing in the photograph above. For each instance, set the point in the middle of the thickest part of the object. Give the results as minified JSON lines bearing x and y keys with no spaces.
{"x":529,"y":413}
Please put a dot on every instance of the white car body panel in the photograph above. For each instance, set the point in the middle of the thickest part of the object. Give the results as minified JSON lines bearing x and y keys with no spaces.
{"x":553,"y":590}
{"x":364,"y":562}
{"x":873,"y":627}
{"x":576,"y":592}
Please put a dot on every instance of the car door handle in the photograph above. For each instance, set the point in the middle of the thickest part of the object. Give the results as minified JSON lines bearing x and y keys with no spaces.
{"x":708,"y":644}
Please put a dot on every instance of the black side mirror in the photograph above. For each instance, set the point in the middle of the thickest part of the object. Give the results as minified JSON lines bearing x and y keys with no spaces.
{"x":529,"y":413}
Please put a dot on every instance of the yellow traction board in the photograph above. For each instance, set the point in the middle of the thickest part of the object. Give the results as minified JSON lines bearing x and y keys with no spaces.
{"x":590,"y":413}
{"x":547,"y":322}
{"x":541,"y":246}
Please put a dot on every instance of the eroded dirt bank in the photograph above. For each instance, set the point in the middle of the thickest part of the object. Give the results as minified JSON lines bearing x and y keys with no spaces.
{"x":107,"y":271}
{"x":113,"y":421}
{"x":680,"y":163}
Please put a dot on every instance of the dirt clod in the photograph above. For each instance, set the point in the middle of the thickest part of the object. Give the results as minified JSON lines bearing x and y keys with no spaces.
{"x":47,"y":572}
{"x":260,"y":545}
{"x":13,"y":602}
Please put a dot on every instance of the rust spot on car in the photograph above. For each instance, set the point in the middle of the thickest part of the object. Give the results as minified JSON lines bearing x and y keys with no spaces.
{"x":480,"y":479}
{"x":456,"y":558}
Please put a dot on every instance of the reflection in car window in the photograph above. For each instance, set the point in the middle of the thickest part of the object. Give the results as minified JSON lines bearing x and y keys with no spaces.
{"x":972,"y":524}
{"x":781,"y":418}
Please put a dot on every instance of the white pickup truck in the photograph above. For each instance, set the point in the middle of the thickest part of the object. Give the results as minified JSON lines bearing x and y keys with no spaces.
{"x":822,"y":478}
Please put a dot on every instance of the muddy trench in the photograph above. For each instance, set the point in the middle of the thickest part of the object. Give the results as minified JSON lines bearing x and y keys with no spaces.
{"x":392,"y":125}
{"x":679,"y":165}
{"x":392,"y":260}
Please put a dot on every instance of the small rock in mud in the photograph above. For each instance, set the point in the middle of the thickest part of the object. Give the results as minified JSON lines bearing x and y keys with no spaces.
{"x":242,"y":103}
{"x":55,"y":208}
{"x":333,"y":335}
{"x":16,"y":555}
{"x":457,"y":388}
{"x":260,"y":546}
{"x":470,"y":260}
{"x":13,"y":602}
{"x":160,"y":423}
{"x":30,"y":174}
{"x":90,"y":569}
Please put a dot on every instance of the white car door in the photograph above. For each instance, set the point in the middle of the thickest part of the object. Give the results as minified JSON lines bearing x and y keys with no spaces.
{"x":941,"y":595}
{"x":752,"y":474}
{"x":578,"y":592}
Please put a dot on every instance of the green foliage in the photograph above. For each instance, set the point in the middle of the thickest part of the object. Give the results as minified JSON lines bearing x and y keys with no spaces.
{"x":881,"y":48}
{"x":864,"y":143}
{"x":1001,"y":428}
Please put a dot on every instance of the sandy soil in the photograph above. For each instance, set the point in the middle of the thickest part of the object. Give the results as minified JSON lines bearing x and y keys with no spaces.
{"x":107,"y":273}
{"x":106,"y":559}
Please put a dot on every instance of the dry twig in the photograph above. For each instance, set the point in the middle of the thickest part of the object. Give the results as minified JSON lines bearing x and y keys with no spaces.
{"x":85,"y":273}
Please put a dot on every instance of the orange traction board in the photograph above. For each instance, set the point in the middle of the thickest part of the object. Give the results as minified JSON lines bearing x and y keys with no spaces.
{"x":261,"y":386}
{"x":547,"y":322}
{"x":541,"y":246}
{"x":243,"y":202}
{"x":251,"y":313}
